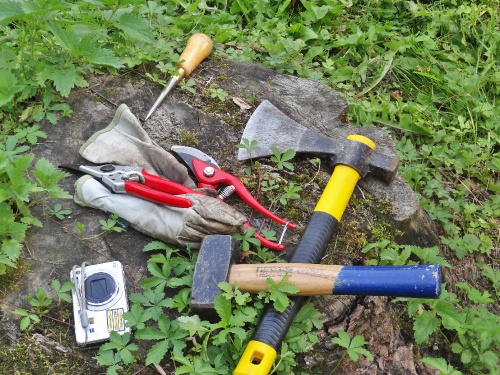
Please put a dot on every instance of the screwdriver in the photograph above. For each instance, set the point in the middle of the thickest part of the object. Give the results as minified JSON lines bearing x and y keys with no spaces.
{"x":198,"y":47}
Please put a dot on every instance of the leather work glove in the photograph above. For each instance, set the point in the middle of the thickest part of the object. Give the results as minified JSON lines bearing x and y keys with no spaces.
{"x":125,"y":142}
{"x":177,"y":226}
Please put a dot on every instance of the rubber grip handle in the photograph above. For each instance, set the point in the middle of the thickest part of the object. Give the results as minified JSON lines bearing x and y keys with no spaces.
{"x":198,"y":47}
{"x":318,"y":233}
{"x":418,"y":281}
{"x":315,"y":238}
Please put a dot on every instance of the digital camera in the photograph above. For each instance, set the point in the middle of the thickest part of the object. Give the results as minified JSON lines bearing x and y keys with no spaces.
{"x":99,"y":301}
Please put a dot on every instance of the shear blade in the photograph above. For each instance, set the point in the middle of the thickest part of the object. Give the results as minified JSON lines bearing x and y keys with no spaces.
{"x":70,"y":167}
{"x":187,"y":154}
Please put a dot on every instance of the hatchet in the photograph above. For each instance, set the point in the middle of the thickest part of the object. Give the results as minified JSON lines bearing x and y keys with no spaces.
{"x":270,"y":127}
{"x":353,"y":159}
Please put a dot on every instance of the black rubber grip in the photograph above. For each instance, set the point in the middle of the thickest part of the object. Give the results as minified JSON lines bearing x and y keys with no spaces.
{"x":315,"y":239}
{"x":274,"y":325}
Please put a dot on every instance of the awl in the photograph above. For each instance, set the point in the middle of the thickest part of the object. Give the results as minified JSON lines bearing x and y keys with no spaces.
{"x":198,"y":47}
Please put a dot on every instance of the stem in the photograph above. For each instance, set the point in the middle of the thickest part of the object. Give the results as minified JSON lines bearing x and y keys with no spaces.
{"x":245,"y":11}
{"x":40,"y":315}
{"x":23,"y":43}
{"x":117,"y":5}
{"x":334,"y":371}
{"x":387,"y":67}
{"x":32,"y":44}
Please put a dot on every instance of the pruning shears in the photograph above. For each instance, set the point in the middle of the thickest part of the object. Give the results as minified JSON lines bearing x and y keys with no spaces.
{"x":209,"y":175}
{"x":136,"y":181}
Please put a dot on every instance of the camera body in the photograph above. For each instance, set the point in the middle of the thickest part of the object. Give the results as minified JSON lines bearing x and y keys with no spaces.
{"x":99,"y":301}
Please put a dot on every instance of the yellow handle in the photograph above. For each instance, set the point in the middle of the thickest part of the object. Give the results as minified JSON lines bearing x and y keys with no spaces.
{"x":257,"y":359}
{"x":198,"y":47}
{"x":341,"y":185}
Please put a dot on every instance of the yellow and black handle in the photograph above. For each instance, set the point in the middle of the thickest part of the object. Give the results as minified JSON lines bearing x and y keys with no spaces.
{"x":261,"y":351}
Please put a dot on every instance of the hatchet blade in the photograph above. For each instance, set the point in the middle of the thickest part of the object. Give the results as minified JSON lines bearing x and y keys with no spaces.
{"x":269,"y":127}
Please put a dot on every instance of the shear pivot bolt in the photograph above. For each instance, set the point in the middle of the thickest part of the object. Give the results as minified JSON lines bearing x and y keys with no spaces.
{"x":209,"y":171}
{"x":107,"y":168}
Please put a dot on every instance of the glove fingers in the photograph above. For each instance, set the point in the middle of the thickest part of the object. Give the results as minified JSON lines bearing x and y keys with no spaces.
{"x":125,"y":142}
{"x":215,"y":212}
{"x":179,"y":226}
{"x":212,"y":216}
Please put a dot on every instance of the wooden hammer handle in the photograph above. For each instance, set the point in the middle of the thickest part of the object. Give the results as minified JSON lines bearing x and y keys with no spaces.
{"x":311,"y":279}
{"x":419,"y":281}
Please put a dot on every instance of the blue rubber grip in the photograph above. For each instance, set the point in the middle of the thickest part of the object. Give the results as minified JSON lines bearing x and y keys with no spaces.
{"x":422,"y":281}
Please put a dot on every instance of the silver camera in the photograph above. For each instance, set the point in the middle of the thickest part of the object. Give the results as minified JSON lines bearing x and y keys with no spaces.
{"x":99,"y":301}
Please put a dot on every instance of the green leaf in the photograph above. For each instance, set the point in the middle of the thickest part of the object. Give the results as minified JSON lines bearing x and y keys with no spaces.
{"x":11,"y":10}
{"x":307,"y":33}
{"x":48,"y":176}
{"x":451,"y":319}
{"x":65,"y":79}
{"x":135,"y":27}
{"x":441,"y":365}
{"x":6,"y":261}
{"x":8,"y":86}
{"x":150,"y":333}
{"x":107,"y":358}
{"x":67,"y":38}
{"x":425,"y":324}
{"x":25,"y":322}
{"x":491,"y":359}
{"x":342,"y":340}
{"x":11,"y":249}
{"x":157,"y":352}
{"x":136,"y":317}
{"x":223,"y":308}
{"x":357,"y":342}
{"x":192,"y":324}
{"x":308,"y":313}
{"x":156,"y":245}
{"x":126,"y":354}
{"x":102,"y":56}
{"x":466,"y":356}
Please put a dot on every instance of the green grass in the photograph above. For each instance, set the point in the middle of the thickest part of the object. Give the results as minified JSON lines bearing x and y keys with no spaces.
{"x":428,"y":72}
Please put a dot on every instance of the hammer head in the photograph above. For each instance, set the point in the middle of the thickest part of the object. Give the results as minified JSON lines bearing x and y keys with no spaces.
{"x":217,"y":253}
{"x":271,"y":127}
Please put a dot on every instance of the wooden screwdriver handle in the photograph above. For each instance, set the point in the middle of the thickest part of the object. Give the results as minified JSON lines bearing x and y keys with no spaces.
{"x":198,"y":47}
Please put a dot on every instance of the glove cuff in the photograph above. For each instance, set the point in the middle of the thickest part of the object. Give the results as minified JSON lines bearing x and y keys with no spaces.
{"x":78,"y":197}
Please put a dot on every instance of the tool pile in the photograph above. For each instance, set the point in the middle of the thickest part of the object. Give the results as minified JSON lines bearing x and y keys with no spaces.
{"x":178,"y":196}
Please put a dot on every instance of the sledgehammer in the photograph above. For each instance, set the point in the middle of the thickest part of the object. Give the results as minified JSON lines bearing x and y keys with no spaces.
{"x":219,"y":253}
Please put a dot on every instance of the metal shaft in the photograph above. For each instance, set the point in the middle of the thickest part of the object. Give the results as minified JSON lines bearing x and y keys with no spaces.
{"x":171,"y":84}
{"x":198,"y":47}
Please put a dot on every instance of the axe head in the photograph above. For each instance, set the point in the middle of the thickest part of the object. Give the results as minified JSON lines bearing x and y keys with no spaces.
{"x":271,"y":127}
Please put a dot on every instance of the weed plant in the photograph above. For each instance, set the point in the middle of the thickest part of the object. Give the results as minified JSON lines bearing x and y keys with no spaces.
{"x":425,"y":71}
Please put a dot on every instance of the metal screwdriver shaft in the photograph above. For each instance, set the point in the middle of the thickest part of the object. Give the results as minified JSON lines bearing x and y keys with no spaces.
{"x":198,"y":47}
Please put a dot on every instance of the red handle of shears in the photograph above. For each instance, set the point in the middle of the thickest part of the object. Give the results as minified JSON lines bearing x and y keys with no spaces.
{"x":158,"y":183}
{"x":145,"y":192}
{"x":265,"y":242}
{"x":221,"y":177}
